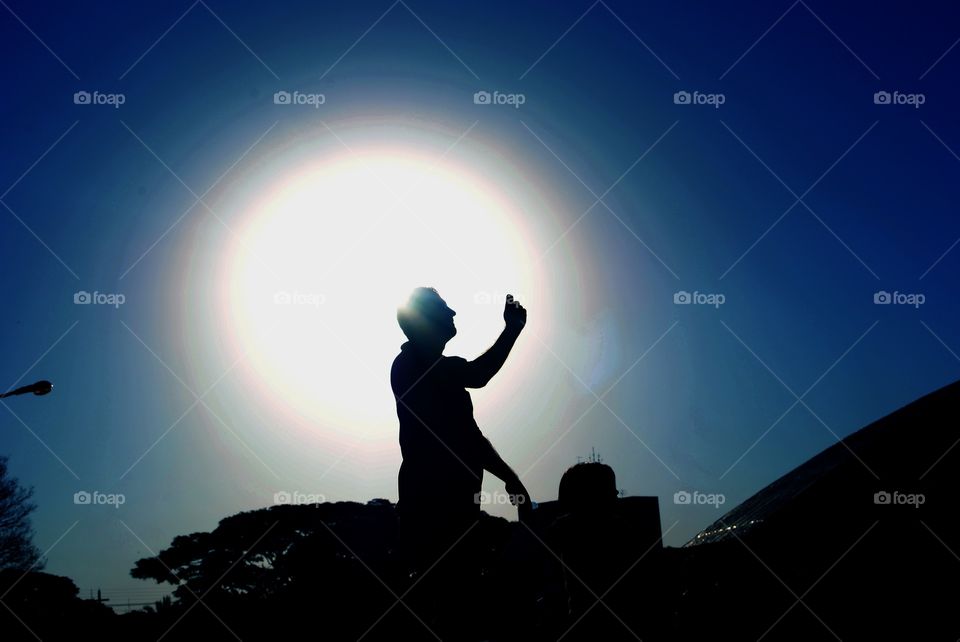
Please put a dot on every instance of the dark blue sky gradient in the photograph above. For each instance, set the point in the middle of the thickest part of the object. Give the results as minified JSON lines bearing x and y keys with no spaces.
{"x":799,"y":305}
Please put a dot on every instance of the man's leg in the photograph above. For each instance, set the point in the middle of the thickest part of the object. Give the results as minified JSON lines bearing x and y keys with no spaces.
{"x":454,"y":581}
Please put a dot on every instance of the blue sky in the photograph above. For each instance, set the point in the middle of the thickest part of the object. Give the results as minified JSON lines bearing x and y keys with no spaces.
{"x":797,"y":199}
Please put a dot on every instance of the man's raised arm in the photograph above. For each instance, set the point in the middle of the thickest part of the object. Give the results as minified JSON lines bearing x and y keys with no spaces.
{"x":481,"y":370}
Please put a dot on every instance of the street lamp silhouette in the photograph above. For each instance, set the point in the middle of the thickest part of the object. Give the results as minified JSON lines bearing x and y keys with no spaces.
{"x":38,"y":388}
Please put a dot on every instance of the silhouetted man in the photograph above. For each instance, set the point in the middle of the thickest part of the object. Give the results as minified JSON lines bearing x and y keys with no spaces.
{"x":444,"y":452}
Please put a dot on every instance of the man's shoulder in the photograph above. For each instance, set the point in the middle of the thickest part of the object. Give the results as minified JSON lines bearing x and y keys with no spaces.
{"x":407,"y":367}
{"x":454,"y":360}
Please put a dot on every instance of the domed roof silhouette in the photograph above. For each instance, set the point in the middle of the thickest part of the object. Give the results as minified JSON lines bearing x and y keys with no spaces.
{"x":910,"y":451}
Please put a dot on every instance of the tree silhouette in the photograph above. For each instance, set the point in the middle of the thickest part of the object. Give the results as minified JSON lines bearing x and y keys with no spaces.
{"x":278,"y":568}
{"x":16,"y":534}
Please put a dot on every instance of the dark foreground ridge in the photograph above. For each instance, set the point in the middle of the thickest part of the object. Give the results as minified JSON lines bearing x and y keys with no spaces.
{"x":860,"y":542}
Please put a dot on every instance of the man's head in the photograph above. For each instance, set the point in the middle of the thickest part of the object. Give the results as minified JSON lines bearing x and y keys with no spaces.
{"x":426,"y":319}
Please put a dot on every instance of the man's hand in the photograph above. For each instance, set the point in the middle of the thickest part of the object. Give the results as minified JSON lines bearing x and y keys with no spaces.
{"x":519,"y":497}
{"x":514,"y":314}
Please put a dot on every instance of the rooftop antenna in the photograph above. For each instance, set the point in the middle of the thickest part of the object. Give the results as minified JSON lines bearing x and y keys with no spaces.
{"x":593,"y":458}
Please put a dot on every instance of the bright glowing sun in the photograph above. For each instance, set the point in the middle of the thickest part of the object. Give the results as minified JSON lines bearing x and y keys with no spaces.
{"x":321,"y":262}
